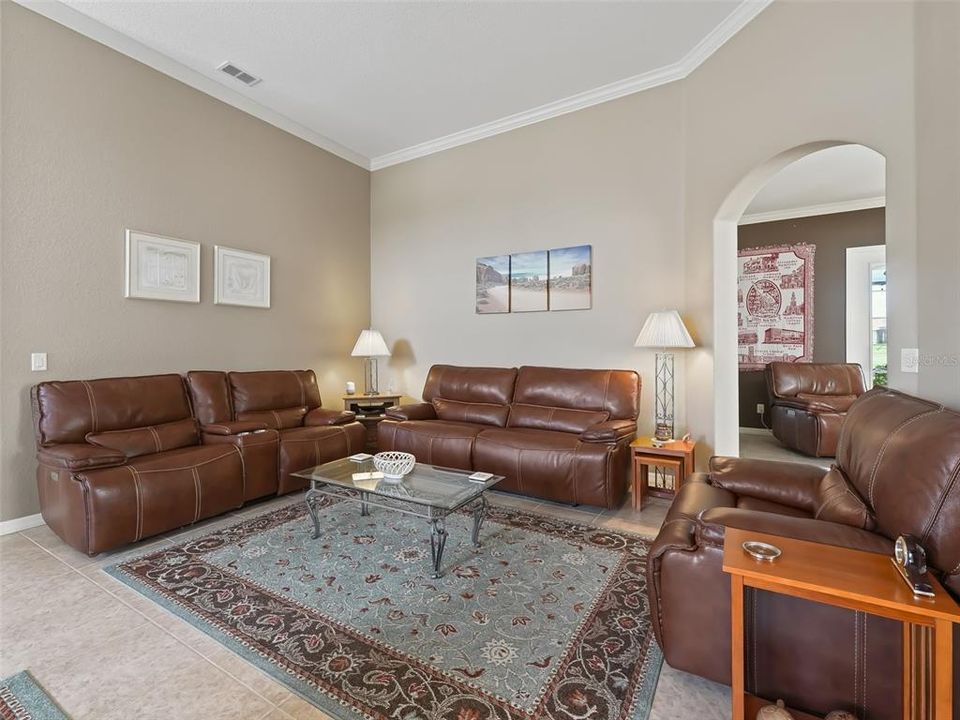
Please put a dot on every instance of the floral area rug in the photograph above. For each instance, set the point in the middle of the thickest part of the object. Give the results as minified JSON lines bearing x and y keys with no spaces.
{"x":22,"y":699}
{"x":546,"y":620}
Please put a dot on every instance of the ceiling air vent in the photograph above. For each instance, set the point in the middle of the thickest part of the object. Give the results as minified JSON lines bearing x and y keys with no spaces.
{"x":238,"y":74}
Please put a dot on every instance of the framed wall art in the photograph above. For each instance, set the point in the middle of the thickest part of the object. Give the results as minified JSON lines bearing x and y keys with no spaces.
{"x":241,"y":277}
{"x":571,"y":273}
{"x":493,"y":284}
{"x":528,"y":281}
{"x":161,"y":268}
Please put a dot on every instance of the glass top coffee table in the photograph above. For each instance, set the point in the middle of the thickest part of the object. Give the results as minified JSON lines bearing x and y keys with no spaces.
{"x":427,"y":492}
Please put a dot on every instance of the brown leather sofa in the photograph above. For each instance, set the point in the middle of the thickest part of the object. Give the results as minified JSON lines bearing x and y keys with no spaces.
{"x":808,"y":403}
{"x":897,"y":471}
{"x":122,"y":459}
{"x":287,"y":402}
{"x":553,"y":433}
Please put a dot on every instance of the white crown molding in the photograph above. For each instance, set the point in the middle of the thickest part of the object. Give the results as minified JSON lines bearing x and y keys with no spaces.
{"x":23,"y":523}
{"x":95,"y":30}
{"x":811,"y":210}
{"x":730,"y":26}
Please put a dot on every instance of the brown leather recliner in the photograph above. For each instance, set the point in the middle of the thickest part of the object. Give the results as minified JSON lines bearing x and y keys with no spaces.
{"x":809,"y":401}
{"x":554,"y":433}
{"x":286,"y":401}
{"x":121,"y":459}
{"x":897,"y":471}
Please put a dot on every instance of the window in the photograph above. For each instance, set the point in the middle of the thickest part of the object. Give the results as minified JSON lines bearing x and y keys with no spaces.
{"x":878,"y":323}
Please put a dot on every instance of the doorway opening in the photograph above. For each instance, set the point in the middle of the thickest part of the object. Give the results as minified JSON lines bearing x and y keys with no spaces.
{"x":781,"y":286}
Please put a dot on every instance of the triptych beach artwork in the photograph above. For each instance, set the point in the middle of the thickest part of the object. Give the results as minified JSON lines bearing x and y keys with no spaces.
{"x":535,"y":281}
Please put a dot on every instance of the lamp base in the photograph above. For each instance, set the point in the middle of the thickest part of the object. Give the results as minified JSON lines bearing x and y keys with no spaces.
{"x":370,"y":379}
{"x":664,"y":398}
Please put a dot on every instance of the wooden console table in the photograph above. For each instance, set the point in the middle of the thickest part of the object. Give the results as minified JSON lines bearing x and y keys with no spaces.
{"x":676,"y":455}
{"x":370,"y":411}
{"x":856,"y":580}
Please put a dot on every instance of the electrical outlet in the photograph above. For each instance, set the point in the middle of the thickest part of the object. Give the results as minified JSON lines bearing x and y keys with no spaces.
{"x":760,"y":409}
{"x":38,"y":362}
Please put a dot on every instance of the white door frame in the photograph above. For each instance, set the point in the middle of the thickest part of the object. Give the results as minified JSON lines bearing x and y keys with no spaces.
{"x":859,"y":305}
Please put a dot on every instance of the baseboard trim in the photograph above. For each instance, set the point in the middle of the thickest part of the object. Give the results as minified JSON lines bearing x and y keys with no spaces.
{"x":23,"y":523}
{"x":755,"y":431}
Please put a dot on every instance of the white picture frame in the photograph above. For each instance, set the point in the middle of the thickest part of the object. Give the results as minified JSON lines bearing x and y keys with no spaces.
{"x":240,"y":277}
{"x":161,"y":268}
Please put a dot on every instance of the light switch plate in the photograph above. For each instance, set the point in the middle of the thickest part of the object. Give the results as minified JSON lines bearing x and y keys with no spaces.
{"x":38,"y":362}
{"x":910,"y":360}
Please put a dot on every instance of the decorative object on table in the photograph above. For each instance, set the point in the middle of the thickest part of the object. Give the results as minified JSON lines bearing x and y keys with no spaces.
{"x":21,"y":698}
{"x":401,"y":656}
{"x":764,"y":552}
{"x":493,"y":284}
{"x":663,"y":330}
{"x":241,"y":277}
{"x":678,"y":456}
{"x":528,"y":282}
{"x":570,"y":279}
{"x":840,"y":715}
{"x":370,"y":345}
{"x":393,"y":464}
{"x":351,"y":387}
{"x":161,"y":268}
{"x":774,"y":712}
{"x":775,"y":305}
{"x":370,"y":410}
{"x":910,"y":559}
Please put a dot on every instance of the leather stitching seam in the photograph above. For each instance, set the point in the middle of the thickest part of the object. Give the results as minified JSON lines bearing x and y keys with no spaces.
{"x":883,"y":449}
{"x":93,"y":405}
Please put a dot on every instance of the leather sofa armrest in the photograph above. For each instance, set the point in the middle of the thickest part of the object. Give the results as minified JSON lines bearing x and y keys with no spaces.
{"x":80,"y":456}
{"x":232,"y":428}
{"x":610,"y":431}
{"x":811,"y":406}
{"x":712,"y":523}
{"x":319,"y":416}
{"x":794,"y":484}
{"x":414,"y":411}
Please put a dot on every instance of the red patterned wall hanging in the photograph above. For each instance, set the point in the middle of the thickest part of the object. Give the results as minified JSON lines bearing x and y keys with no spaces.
{"x":775,"y":305}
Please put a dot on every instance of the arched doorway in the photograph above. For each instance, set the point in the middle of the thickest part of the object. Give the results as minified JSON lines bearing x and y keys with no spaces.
{"x":725,"y":234}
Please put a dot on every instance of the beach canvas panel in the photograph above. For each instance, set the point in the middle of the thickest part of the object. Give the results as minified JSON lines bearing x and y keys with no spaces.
{"x":571,"y":278}
{"x":493,"y":284}
{"x":528,"y":281}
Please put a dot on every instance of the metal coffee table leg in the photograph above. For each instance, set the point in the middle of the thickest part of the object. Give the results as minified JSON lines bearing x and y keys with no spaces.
{"x":310,"y":498}
{"x":364,"y":508}
{"x":438,"y":540}
{"x":479,"y":512}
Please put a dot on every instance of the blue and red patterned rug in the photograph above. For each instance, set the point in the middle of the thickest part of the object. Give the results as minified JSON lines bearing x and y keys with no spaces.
{"x":21,"y":698}
{"x":548,"y":620}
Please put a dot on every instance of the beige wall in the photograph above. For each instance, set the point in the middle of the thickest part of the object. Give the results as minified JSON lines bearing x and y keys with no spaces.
{"x":643,"y":179}
{"x":94,"y":142}
{"x":610,"y":176}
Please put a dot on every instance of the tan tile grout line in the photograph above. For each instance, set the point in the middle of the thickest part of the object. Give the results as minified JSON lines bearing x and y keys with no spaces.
{"x":164,"y":630}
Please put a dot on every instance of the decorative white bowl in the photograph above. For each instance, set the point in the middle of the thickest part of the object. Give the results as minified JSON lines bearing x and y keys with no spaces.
{"x":394,"y":465}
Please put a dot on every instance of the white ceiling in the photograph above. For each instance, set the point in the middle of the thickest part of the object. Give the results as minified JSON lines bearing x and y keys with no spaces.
{"x":380,"y":82}
{"x":838,"y":179}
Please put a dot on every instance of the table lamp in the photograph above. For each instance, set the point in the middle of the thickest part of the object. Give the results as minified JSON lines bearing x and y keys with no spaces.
{"x":370,"y":345}
{"x":664,"y":329}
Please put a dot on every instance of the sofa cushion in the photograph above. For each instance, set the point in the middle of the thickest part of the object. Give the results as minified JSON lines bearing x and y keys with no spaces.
{"x":272,"y":390}
{"x":435,"y":442}
{"x":470,"y":384}
{"x":745,"y":502}
{"x":160,"y":492}
{"x":469,"y":412}
{"x":281,"y":419}
{"x":838,"y":502}
{"x":64,"y":412}
{"x":305,"y":447}
{"x":210,"y":394}
{"x":539,"y":417}
{"x":828,"y":403}
{"x":786,"y":379}
{"x":148,"y":440}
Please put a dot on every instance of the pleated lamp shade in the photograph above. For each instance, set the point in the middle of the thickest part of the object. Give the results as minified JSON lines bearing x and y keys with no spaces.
{"x":664,"y":329}
{"x":370,"y":344}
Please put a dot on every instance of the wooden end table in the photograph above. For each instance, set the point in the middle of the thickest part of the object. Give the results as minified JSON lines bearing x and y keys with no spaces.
{"x":370,"y":411}
{"x":676,"y":455}
{"x":856,"y":580}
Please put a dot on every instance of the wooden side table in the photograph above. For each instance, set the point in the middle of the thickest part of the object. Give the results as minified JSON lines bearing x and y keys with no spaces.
{"x":678,"y":456}
{"x":370,"y":411}
{"x":856,"y":580}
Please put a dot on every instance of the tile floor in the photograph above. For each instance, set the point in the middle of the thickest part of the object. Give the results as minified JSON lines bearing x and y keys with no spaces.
{"x":104,"y":652}
{"x":764,"y":446}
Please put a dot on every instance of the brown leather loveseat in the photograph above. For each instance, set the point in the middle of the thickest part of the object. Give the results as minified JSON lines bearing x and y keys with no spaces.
{"x":285,"y":401}
{"x":553,"y":433}
{"x":897,"y":471}
{"x":122,"y":459}
{"x":808,"y":402}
